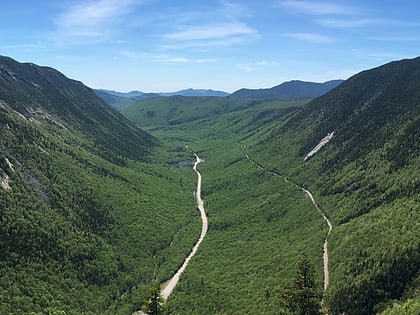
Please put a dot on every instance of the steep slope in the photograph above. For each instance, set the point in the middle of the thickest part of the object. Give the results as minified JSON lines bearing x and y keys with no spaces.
{"x":85,"y":215}
{"x":29,"y":89}
{"x":365,"y":176}
{"x":292,"y":90}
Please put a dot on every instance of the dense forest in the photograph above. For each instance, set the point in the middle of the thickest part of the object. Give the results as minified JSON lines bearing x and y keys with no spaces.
{"x":365,"y":179}
{"x":84,"y":227}
{"x":96,"y":213}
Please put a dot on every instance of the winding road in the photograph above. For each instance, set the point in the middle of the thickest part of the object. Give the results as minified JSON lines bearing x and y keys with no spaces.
{"x":311,"y":197}
{"x":170,"y":285}
{"x":325,"y":255}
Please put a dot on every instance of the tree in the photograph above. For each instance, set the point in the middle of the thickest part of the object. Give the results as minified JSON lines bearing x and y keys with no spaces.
{"x":155,"y":303}
{"x":302,"y":297}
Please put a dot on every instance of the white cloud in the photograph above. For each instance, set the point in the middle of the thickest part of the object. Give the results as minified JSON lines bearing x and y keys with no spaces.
{"x":227,"y":30}
{"x":316,"y":8}
{"x":221,"y":25}
{"x":173,"y":60}
{"x":209,"y":60}
{"x":255,"y":66}
{"x":205,"y":45}
{"x":234,"y":11}
{"x":311,"y":37}
{"x":350,"y":23}
{"x":93,"y":18}
{"x":246,"y":67}
{"x":170,"y":59}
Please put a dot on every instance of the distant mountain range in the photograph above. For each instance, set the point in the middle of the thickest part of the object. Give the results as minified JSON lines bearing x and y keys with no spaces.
{"x":196,"y":92}
{"x":121,"y":100}
{"x":291,"y":90}
{"x":186,"y":92}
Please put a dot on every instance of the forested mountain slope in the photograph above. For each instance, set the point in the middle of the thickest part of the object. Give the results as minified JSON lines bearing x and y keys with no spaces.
{"x":366,"y":178}
{"x":92,"y":209}
{"x":31,"y":90}
{"x":85,"y":215}
{"x":176,"y":110}
{"x":120,"y":100}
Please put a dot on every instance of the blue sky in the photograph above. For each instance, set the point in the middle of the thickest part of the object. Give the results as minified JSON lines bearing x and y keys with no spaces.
{"x":157,"y":45}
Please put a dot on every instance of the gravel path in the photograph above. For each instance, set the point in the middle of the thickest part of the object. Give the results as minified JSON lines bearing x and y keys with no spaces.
{"x":169,"y":286}
{"x":311,"y":197}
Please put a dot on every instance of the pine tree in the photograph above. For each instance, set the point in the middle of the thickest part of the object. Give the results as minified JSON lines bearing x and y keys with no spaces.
{"x":302,"y":297}
{"x":155,"y":302}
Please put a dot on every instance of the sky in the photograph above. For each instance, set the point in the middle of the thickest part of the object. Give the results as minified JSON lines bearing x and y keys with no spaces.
{"x":169,"y":45}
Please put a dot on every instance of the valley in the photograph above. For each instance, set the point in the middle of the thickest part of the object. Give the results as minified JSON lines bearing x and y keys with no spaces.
{"x":100,"y":205}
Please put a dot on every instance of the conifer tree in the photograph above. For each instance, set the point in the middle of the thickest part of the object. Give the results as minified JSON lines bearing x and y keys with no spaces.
{"x":155,"y":302}
{"x":302,"y":297}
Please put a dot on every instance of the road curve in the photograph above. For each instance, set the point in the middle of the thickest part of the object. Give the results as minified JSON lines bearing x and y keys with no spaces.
{"x":311,"y":197}
{"x":325,"y":255}
{"x":170,"y":285}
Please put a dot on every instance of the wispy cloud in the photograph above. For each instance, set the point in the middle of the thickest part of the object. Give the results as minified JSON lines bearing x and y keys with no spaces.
{"x":316,"y":8}
{"x":234,"y":10}
{"x":335,"y":15}
{"x":311,"y":37}
{"x":171,"y":60}
{"x":208,"y":60}
{"x":352,"y":23}
{"x":212,"y":32}
{"x":221,"y":25}
{"x":93,"y":18}
{"x":255,"y":66}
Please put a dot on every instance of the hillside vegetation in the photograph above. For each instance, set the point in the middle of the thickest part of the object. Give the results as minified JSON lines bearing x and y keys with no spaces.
{"x":90,"y":210}
{"x":365,"y":178}
{"x":173,"y":108}
{"x":259,"y":225}
{"x":94,"y":210}
{"x":176,"y":110}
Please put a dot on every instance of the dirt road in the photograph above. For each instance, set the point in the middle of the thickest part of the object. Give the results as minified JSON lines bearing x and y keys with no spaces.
{"x":311,"y":197}
{"x":325,"y":255}
{"x":170,"y":285}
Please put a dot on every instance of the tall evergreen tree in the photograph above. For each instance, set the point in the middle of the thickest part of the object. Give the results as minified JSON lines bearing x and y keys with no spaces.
{"x":155,"y":302}
{"x":302,"y":297}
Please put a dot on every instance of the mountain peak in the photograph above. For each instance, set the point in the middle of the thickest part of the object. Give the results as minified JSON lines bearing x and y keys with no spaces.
{"x":28,"y":89}
{"x":290,"y":90}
